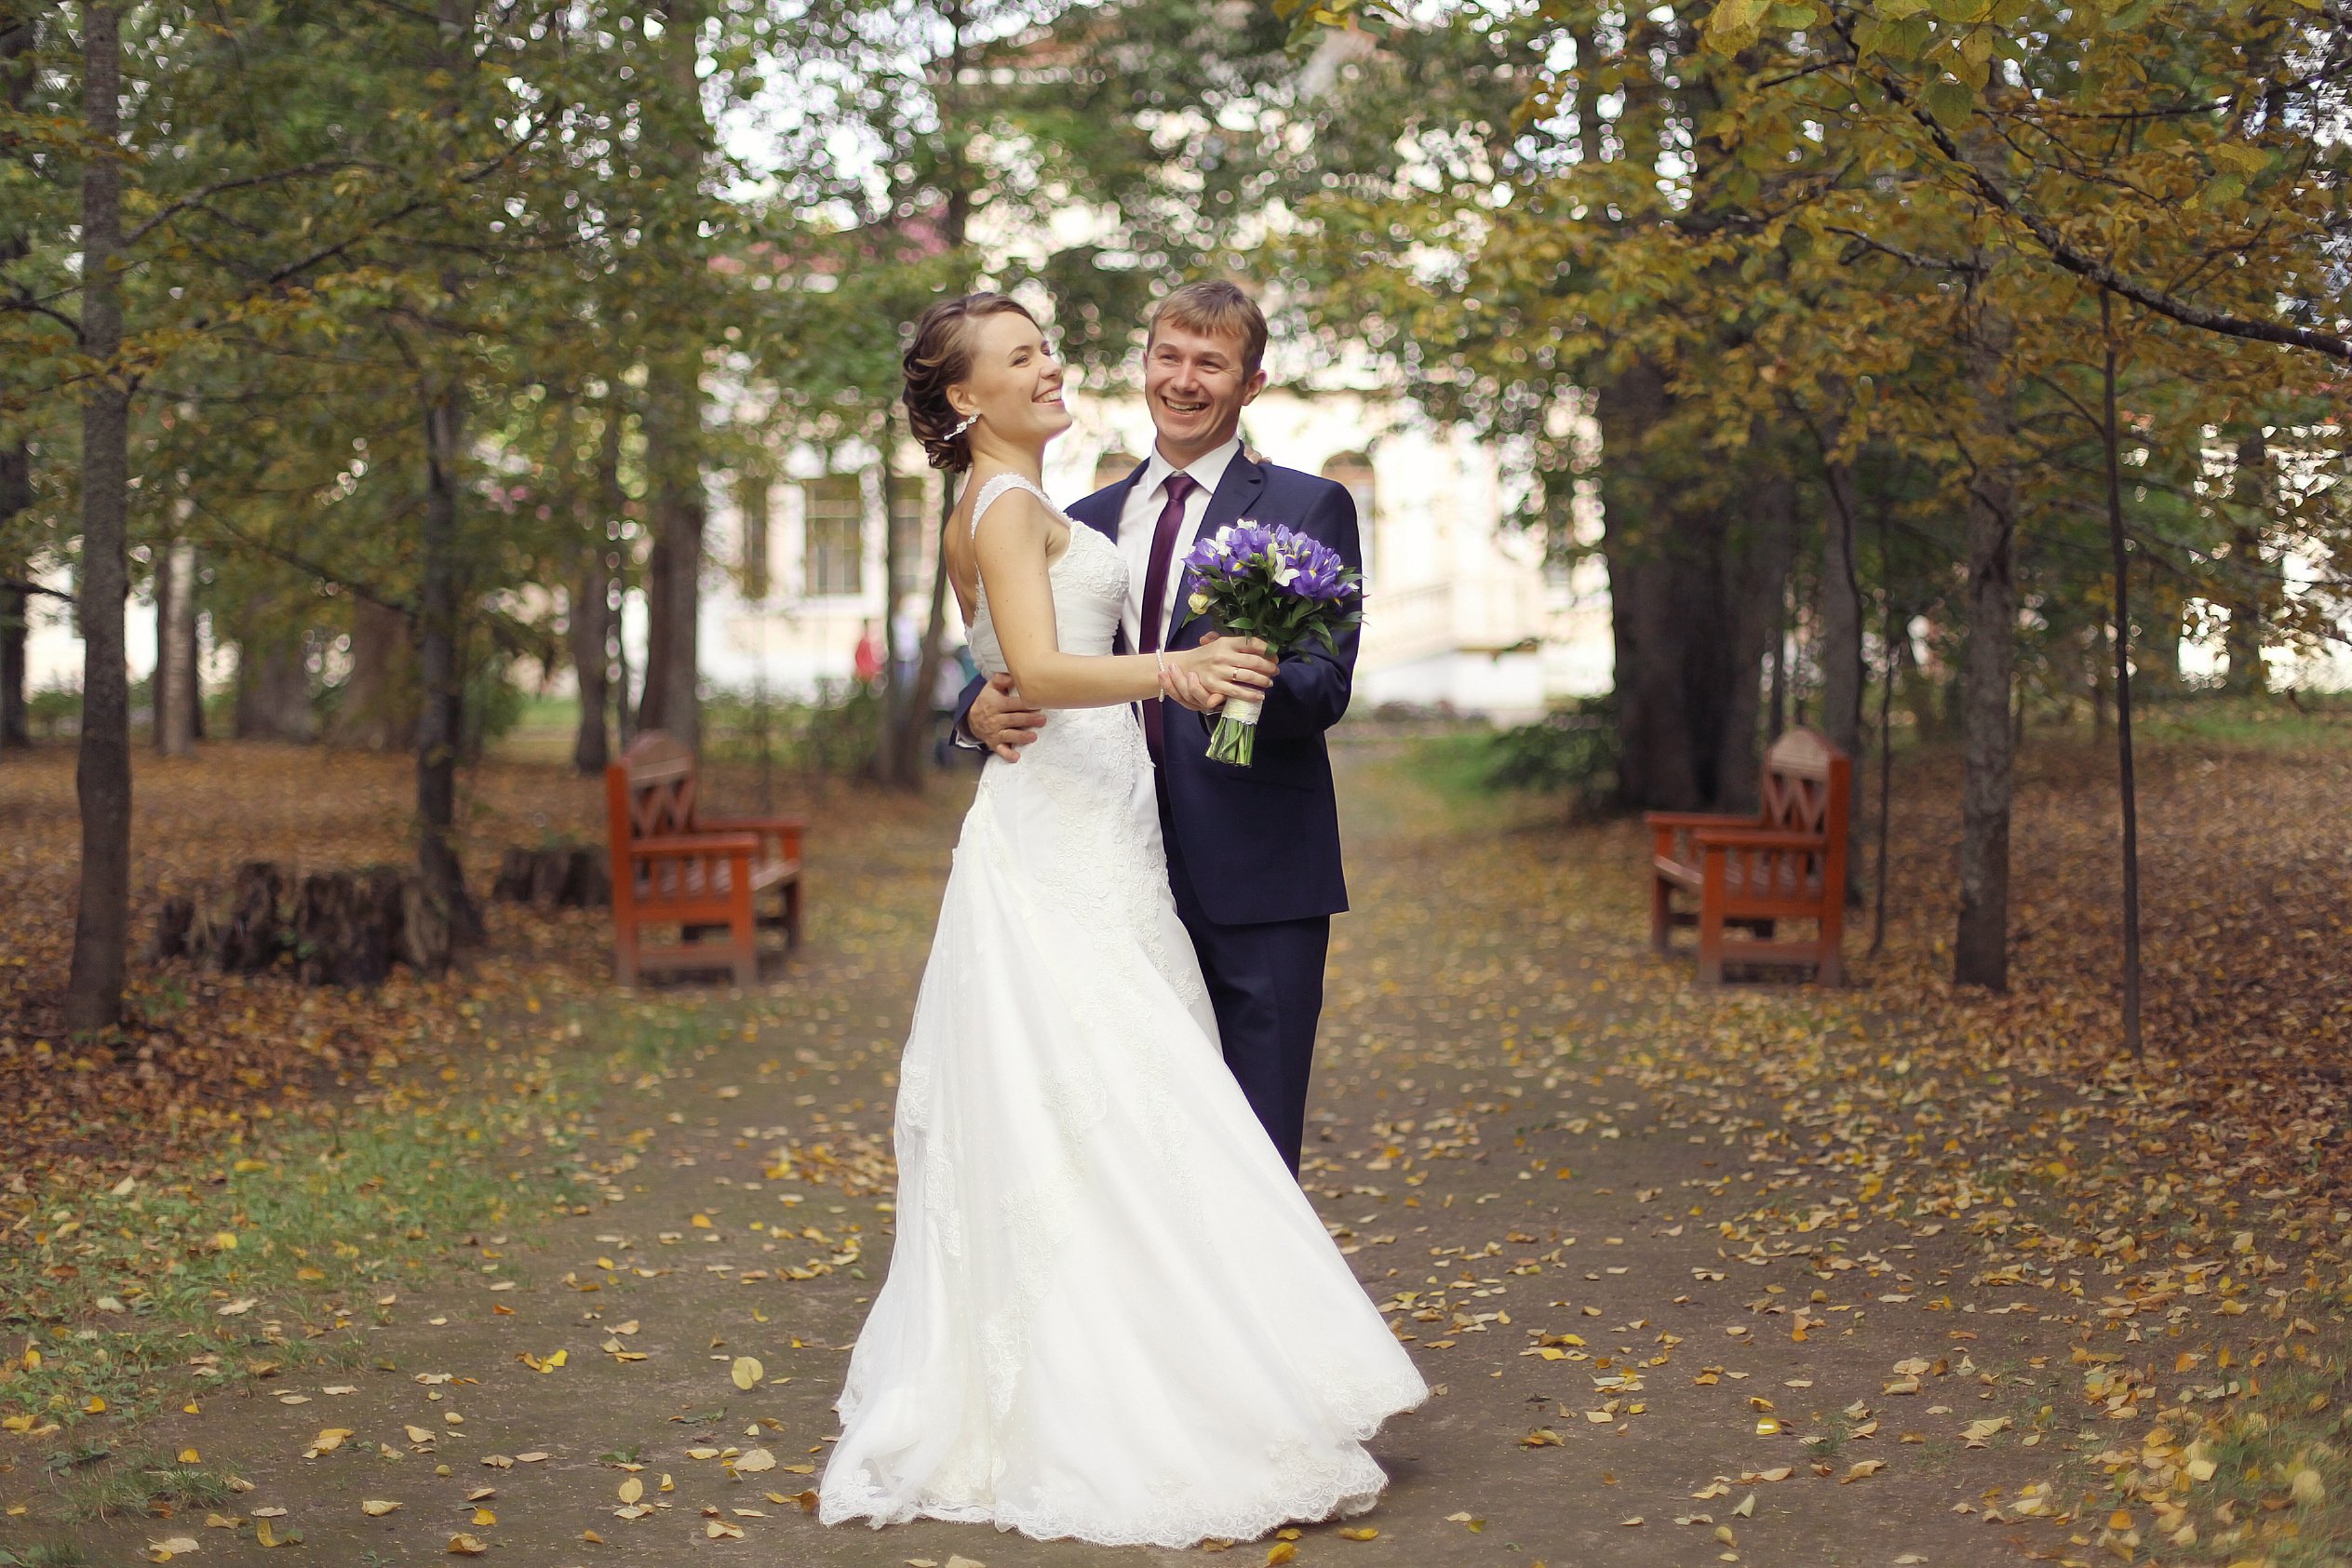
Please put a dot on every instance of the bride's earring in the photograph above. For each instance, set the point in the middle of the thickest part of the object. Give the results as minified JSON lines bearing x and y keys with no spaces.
{"x":968,"y":421}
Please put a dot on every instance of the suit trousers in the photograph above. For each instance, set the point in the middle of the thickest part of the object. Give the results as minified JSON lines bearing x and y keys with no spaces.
{"x":1265,"y":984}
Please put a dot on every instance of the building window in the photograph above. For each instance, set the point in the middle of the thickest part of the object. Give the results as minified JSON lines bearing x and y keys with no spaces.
{"x":1111,"y":467}
{"x":833,"y":537}
{"x":910,"y":517}
{"x":1353,"y":472}
{"x":751,"y":509}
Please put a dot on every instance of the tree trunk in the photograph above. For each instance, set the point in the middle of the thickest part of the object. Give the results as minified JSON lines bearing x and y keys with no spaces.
{"x":273,"y":680}
{"x":674,"y":433}
{"x":673,"y":596}
{"x":102,"y":923}
{"x":625,"y":711}
{"x":439,"y":728}
{"x":173,"y":689}
{"x":2157,"y":636}
{"x":2126,"y":775}
{"x":380,"y":700}
{"x":2100,"y":639}
{"x":1841,"y":621}
{"x":2250,"y":510}
{"x":1897,"y":646}
{"x":587,"y":625}
{"x":592,"y":623}
{"x":14,"y":715}
{"x":1981,"y":945}
{"x":16,"y":454}
{"x":1693,"y":596}
{"x":658,"y":597}
{"x":16,"y":496}
{"x":191,"y":650}
{"x":445,"y":905}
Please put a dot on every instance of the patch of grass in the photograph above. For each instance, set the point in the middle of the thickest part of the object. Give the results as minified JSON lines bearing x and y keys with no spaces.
{"x":2282,"y":722}
{"x":2281,"y":1480}
{"x":111,"y":1298}
{"x":138,"y":1483}
{"x":45,"y":1554}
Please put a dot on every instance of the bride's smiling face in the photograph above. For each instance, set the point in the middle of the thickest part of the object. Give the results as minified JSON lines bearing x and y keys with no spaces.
{"x":1015,"y":384}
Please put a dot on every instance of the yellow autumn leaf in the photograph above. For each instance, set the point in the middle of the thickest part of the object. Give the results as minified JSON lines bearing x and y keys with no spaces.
{"x":747,"y":1372}
{"x":376,"y":1507}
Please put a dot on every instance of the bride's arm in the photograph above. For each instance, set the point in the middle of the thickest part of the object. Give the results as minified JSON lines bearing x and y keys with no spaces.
{"x":1010,"y":548}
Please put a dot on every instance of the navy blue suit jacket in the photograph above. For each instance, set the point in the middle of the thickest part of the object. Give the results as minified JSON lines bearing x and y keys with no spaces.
{"x":1259,"y":843}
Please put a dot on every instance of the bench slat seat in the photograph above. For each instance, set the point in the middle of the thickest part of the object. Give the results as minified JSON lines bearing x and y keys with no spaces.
{"x":671,"y":866}
{"x":1787,"y":862}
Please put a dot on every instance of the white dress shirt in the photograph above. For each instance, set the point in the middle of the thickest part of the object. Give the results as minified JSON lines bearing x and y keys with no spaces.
{"x":1140,"y":519}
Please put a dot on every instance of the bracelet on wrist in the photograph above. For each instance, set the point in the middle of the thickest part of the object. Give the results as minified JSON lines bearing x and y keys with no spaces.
{"x":1162,"y":659}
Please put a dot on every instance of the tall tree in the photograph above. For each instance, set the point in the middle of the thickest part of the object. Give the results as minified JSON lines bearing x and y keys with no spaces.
{"x":590,"y":622}
{"x":2250,"y":510}
{"x":101,"y":779}
{"x":17,"y":43}
{"x":1979,"y":952}
{"x":673,"y":388}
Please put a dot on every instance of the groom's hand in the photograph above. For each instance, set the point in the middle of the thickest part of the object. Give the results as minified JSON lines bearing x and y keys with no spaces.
{"x":1001,"y":718}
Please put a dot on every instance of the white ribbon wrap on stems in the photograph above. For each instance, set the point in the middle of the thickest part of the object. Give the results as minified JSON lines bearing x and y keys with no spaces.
{"x":1243,"y":710}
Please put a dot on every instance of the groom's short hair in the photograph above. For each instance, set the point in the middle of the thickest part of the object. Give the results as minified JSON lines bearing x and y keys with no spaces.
{"x":1218,"y":307}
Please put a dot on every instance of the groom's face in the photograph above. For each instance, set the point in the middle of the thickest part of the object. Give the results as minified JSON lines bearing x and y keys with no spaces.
{"x":1196,"y":385}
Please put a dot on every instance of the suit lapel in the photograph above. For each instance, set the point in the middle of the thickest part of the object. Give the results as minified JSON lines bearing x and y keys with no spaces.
{"x":1236,"y":493}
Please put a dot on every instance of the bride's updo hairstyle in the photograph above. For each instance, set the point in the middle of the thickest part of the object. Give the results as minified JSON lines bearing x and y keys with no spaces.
{"x":939,"y":356}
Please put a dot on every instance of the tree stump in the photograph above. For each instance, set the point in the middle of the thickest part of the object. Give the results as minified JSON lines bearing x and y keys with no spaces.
{"x":254,"y":934}
{"x":564,"y":876}
{"x":346,"y":926}
{"x":516,"y":872}
{"x":173,"y":923}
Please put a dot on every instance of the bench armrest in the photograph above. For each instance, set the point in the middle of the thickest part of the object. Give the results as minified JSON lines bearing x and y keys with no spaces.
{"x":753,"y":824}
{"x":1757,"y":838}
{"x":695,"y":844}
{"x":1678,"y":820}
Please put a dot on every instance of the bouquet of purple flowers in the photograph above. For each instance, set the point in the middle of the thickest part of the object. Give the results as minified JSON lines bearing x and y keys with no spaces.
{"x":1278,"y":585}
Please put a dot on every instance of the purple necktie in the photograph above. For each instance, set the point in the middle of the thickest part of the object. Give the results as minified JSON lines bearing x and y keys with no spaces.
{"x":1150,"y":621}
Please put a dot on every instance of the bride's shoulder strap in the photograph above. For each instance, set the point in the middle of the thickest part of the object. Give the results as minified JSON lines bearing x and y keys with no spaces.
{"x":1003,"y":483}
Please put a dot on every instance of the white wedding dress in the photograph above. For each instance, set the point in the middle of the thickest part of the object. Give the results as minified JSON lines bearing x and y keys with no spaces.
{"x":1110,"y":1312}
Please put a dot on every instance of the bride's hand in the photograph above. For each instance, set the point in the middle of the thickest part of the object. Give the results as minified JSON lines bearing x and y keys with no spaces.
{"x":1226,"y":668}
{"x":1188,"y":691}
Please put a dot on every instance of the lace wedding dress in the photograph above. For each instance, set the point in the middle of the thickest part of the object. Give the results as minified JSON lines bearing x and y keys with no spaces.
{"x":1111,"y":1313}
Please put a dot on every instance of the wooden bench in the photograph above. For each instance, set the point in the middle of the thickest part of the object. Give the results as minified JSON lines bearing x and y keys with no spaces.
{"x":673,"y":866}
{"x":1787,"y":862}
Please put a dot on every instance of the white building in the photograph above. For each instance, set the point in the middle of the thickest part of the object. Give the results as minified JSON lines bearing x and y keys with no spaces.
{"x":1460,"y":609}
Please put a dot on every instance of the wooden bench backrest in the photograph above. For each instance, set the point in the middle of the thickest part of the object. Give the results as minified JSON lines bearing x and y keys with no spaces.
{"x":652,"y":788}
{"x":1800,"y":772}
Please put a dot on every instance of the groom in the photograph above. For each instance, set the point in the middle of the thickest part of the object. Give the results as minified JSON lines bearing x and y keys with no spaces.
{"x":1253,"y":852}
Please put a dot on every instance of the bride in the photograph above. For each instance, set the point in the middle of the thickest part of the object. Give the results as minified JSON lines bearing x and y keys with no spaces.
{"x":1111,"y":1313}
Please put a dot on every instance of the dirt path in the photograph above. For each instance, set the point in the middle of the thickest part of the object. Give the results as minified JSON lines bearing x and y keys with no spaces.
{"x":1551,"y":1212}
